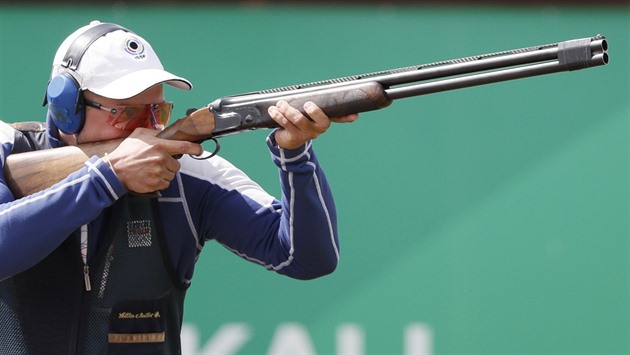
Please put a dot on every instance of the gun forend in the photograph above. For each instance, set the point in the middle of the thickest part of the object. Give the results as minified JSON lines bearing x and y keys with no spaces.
{"x":234,"y":114}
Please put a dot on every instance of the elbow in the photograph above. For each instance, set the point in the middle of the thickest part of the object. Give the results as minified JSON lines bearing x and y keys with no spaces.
{"x":327,"y":268}
{"x":312,"y":256}
{"x":315,"y":271}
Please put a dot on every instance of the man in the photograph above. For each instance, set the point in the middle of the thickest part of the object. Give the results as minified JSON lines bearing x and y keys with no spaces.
{"x":90,"y":266}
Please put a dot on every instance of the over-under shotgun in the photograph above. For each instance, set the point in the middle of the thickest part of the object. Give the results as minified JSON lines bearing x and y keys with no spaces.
{"x":27,"y":173}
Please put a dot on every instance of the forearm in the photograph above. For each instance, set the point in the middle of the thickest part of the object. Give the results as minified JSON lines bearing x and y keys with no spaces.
{"x":295,"y":236}
{"x":309,"y":219}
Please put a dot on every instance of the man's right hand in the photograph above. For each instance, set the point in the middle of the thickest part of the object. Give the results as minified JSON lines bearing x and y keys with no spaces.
{"x":144,"y":163}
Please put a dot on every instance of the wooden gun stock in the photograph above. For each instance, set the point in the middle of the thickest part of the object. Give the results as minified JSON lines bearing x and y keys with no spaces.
{"x":31,"y":172}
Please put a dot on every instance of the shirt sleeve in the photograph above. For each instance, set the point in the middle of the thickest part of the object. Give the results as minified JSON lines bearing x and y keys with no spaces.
{"x":33,"y":226}
{"x":295,"y":235}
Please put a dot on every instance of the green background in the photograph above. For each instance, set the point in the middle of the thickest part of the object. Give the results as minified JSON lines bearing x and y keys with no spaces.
{"x":496,"y":217}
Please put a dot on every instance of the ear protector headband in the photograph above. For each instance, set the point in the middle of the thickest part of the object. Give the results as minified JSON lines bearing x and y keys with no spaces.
{"x":63,"y":94}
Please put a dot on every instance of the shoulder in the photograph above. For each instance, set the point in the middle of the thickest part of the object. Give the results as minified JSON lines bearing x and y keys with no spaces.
{"x":23,"y":136}
{"x":7,"y":133}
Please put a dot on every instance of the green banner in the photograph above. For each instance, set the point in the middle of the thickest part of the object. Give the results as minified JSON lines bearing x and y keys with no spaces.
{"x":487,"y":220}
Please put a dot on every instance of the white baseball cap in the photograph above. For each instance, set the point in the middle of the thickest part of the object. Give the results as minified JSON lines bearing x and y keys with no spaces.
{"x":117,"y":65}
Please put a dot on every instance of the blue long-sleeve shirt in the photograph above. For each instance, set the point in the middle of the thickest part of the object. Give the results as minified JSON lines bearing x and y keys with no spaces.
{"x":208,"y":200}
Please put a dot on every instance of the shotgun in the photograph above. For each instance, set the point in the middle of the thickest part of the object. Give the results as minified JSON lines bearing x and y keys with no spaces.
{"x":29,"y":172}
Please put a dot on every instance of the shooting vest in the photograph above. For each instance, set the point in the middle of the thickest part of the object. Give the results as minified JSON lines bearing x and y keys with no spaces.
{"x":134,"y":306}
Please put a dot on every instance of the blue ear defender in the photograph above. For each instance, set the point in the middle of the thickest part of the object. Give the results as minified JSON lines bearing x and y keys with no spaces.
{"x":65,"y":104}
{"x":63,"y":94}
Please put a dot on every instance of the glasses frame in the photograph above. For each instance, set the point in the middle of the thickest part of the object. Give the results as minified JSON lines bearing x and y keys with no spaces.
{"x":117,"y":111}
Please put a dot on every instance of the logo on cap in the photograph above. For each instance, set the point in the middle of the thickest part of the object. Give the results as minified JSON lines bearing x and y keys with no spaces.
{"x":135,"y":47}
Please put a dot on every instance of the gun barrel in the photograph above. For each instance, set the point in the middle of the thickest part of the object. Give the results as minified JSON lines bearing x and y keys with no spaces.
{"x":578,"y":53}
{"x":360,"y":93}
{"x":599,"y":46}
{"x":468,"y":66}
{"x":568,"y":56}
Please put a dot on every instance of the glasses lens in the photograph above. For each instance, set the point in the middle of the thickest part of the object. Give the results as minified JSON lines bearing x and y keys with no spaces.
{"x":160,"y":114}
{"x":129,"y":118}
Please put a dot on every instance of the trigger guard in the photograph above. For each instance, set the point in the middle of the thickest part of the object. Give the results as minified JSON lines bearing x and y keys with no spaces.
{"x":217,"y":148}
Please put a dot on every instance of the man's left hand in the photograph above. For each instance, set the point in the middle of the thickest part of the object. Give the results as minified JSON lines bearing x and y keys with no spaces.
{"x":297,"y":129}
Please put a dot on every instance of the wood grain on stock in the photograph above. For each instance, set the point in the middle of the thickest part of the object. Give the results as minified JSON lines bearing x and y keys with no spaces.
{"x":31,"y":172}
{"x":195,"y":127}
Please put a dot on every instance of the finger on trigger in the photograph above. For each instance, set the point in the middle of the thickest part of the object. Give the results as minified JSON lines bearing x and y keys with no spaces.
{"x":176,"y":147}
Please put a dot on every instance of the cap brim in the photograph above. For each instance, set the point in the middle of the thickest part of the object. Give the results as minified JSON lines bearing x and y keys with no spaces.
{"x":134,"y":83}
